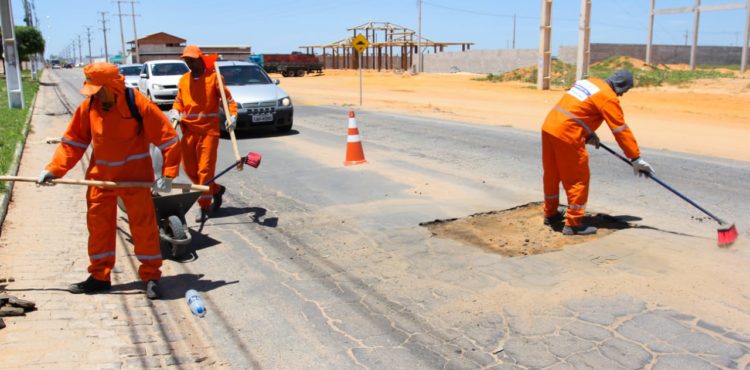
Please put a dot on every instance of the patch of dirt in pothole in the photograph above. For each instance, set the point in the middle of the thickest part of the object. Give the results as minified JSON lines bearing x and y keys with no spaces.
{"x":518,"y":231}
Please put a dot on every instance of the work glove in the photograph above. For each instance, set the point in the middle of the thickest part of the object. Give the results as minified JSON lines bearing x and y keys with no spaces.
{"x":45,"y":178}
{"x":174,"y":115}
{"x":163,"y":184}
{"x":593,"y":139}
{"x":641,"y":167}
{"x":232,"y":123}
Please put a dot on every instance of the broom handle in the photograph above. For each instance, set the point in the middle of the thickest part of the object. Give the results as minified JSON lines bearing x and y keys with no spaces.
{"x":107,"y":184}
{"x":237,"y":156}
{"x":662,"y":183}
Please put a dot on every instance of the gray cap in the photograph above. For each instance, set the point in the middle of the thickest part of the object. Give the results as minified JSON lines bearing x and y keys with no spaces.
{"x":621,"y":81}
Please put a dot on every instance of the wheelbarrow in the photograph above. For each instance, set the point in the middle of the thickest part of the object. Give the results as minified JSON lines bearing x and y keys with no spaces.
{"x":170,"y":216}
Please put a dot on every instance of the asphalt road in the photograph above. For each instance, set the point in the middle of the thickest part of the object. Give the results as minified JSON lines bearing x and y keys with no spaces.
{"x":311,"y":264}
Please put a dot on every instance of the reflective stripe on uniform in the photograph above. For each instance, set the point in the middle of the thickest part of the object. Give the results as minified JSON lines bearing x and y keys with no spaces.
{"x":619,"y":129}
{"x":201,"y":115}
{"x":168,"y":143}
{"x":101,"y":255}
{"x":577,"y":206}
{"x":565,"y":112}
{"x":556,"y":196}
{"x":75,"y":143}
{"x":206,"y":196}
{"x":153,"y":257}
{"x":120,"y":163}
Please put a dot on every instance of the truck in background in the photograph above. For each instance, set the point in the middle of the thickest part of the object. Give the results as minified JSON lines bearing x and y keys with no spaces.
{"x":295,"y":64}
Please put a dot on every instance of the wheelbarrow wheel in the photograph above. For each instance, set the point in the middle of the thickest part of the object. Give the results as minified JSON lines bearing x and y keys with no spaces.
{"x":177,"y":230}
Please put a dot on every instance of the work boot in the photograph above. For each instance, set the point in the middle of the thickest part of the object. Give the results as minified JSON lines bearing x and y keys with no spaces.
{"x":89,"y":286}
{"x":557,"y":218}
{"x":218,"y":198}
{"x":578,"y":230}
{"x":152,"y":289}
{"x":202,"y":216}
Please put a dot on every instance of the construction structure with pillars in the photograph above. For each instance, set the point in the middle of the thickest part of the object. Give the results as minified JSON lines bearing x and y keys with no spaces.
{"x":391,"y":46}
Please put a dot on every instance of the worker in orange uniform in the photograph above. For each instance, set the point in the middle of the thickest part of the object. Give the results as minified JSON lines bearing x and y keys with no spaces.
{"x":120,"y":152}
{"x":568,"y":127}
{"x":196,"y":107}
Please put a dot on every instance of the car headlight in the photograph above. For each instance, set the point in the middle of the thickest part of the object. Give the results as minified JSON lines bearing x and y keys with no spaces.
{"x":285,"y":102}
{"x":156,"y":87}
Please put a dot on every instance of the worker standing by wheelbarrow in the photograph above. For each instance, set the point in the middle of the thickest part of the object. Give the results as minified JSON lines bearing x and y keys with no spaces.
{"x":120,"y":152}
{"x":196,"y":107}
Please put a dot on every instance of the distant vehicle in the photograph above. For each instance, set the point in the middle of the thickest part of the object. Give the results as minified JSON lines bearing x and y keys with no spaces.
{"x":159,"y":78}
{"x":132,"y":73}
{"x":289,"y":65}
{"x":260,"y":103}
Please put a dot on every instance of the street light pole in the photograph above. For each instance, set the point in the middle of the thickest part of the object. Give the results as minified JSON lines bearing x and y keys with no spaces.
{"x":420,"y":66}
{"x":104,"y":30}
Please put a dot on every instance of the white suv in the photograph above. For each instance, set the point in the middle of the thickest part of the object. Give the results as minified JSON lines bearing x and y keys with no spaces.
{"x":159,"y":79}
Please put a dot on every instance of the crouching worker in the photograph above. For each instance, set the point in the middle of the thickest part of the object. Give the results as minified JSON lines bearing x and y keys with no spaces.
{"x":108,"y":121}
{"x":568,"y":127}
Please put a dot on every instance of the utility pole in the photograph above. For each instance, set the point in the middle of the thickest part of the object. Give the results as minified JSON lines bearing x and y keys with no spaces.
{"x":545,"y":52}
{"x":122,"y":32}
{"x":650,"y":31}
{"x":88,"y":35}
{"x":584,"y":47}
{"x":80,"y":54}
{"x":420,"y":67}
{"x":696,"y":21}
{"x":104,"y":30}
{"x":514,"y":31}
{"x":10,"y":56}
{"x":135,"y":34}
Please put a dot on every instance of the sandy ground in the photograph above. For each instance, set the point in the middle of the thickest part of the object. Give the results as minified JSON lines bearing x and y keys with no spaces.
{"x":708,"y":117}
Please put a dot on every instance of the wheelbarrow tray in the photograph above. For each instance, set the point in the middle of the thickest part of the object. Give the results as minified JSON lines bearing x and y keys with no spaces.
{"x":174,"y":204}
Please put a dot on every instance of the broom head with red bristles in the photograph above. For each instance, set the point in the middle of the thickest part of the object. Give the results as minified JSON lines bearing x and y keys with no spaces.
{"x":253,"y":159}
{"x":727,"y":235}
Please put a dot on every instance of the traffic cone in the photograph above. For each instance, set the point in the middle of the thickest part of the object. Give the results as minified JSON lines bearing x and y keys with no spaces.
{"x":354,"y":152}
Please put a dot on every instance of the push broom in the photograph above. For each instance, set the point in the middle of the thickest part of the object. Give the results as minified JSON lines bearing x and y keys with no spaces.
{"x":727,"y":232}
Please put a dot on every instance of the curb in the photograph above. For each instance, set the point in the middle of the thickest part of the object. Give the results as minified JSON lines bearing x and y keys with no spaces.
{"x":13,"y":170}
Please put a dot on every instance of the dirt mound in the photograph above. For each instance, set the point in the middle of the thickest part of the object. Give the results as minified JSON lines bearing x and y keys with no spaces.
{"x":518,"y":231}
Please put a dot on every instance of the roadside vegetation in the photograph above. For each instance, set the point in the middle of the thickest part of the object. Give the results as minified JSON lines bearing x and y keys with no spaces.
{"x":563,"y":74}
{"x":13,"y":122}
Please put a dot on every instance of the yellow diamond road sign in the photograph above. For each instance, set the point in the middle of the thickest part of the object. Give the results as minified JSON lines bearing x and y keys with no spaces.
{"x":359,"y":43}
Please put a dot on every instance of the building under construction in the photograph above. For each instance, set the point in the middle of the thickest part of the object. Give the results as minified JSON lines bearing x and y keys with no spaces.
{"x":391,"y":46}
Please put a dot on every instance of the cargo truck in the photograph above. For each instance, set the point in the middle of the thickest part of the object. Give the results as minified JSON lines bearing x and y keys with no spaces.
{"x":289,"y":65}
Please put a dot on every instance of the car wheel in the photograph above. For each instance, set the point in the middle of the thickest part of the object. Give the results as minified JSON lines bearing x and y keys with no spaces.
{"x":300,"y":73}
{"x":285,"y":73}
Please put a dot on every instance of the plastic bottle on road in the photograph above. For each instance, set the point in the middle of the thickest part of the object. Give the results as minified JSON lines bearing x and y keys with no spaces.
{"x":195,"y":302}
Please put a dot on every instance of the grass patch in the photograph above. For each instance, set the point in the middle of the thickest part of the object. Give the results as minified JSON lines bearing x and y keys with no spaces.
{"x":13,"y":122}
{"x":563,"y":74}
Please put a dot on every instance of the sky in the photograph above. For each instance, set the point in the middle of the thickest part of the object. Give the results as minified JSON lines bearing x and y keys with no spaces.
{"x":281,"y":26}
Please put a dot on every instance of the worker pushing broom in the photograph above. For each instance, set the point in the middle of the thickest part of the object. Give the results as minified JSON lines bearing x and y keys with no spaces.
{"x":569,"y":126}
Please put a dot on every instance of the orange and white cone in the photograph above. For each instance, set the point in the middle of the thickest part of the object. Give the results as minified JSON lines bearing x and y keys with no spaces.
{"x":354,"y":152}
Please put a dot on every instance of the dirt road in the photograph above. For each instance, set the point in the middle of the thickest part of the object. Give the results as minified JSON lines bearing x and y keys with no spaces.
{"x":708,"y":117}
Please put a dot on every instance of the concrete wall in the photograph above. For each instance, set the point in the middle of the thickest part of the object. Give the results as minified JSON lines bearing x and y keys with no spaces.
{"x":660,"y":54}
{"x":479,"y":61}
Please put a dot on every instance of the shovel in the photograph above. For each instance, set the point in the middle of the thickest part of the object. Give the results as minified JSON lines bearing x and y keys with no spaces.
{"x":727,"y":232}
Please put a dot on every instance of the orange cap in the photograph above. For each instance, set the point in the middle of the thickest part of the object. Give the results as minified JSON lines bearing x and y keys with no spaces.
{"x":191,"y":51}
{"x":98,"y":75}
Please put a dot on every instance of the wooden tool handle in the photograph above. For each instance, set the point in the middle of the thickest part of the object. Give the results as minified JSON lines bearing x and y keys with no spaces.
{"x":226,"y":116}
{"x":107,"y":184}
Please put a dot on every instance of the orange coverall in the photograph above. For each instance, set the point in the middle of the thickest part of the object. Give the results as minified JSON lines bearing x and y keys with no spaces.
{"x":198,"y":101}
{"x":564,"y":157}
{"x":120,"y":152}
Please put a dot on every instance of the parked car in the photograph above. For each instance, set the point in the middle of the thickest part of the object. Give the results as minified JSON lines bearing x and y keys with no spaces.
{"x":260,"y":103}
{"x":159,"y":79}
{"x":132,"y":73}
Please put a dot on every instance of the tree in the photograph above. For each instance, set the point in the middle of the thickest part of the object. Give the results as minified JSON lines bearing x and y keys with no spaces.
{"x":29,"y":41}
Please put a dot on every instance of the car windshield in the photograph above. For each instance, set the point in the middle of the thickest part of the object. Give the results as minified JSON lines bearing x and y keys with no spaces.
{"x":244,"y":75}
{"x":169,"y":69}
{"x":130,"y":70}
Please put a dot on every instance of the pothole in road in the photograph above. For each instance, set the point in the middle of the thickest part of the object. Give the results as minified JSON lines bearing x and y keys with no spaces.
{"x":518,"y":231}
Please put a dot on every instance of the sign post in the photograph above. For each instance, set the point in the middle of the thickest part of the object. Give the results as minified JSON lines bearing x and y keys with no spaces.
{"x":360,"y":43}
